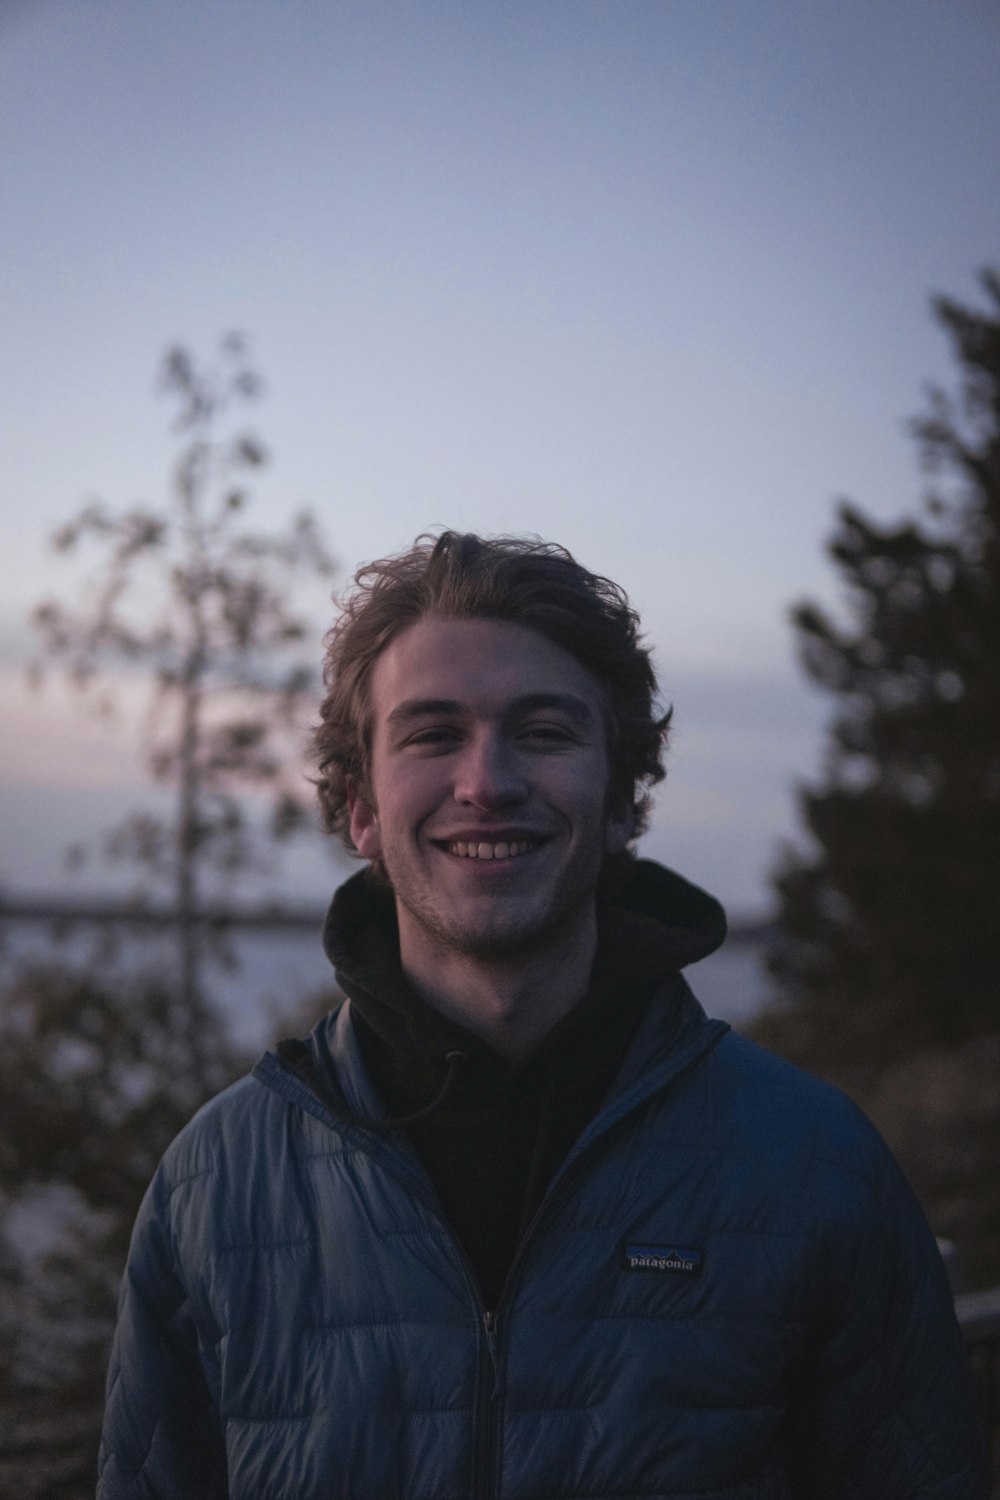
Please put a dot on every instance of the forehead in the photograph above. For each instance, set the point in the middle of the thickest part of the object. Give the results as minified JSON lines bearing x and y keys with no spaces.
{"x":480,"y":665}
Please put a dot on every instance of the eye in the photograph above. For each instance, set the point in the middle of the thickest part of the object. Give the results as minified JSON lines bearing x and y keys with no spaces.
{"x":547,"y":733}
{"x":438,"y":734}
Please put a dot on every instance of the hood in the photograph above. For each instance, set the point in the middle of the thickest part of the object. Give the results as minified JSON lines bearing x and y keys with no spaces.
{"x":677,"y":919}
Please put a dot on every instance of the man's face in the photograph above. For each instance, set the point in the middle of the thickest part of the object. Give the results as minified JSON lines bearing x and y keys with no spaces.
{"x":488,"y":788}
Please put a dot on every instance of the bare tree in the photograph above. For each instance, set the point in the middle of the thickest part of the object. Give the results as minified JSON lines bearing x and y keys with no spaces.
{"x":191,"y":599}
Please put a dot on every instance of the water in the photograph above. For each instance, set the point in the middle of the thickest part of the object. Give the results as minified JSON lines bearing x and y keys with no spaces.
{"x":281,"y":976}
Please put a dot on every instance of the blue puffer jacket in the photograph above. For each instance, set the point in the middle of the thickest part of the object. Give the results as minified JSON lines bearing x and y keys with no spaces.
{"x":728,"y":1293}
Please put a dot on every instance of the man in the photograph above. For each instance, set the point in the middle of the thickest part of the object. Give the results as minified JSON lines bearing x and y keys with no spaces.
{"x":518,"y":1220}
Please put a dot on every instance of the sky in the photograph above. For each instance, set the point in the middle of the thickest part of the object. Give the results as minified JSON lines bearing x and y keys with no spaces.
{"x":650,"y":279}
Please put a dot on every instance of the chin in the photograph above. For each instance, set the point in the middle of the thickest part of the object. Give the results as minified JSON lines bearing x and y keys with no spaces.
{"x":513,"y":937}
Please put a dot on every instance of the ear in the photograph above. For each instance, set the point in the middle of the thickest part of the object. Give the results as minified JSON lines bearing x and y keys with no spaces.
{"x":366,"y":836}
{"x":619,"y":827}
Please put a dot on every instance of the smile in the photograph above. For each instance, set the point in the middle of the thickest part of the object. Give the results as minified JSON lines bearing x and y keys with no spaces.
{"x":503,"y":849}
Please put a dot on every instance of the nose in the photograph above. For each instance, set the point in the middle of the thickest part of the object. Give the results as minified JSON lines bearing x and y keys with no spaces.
{"x":488,"y":773}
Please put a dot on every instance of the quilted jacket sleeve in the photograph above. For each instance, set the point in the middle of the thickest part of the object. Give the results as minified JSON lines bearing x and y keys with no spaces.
{"x":162,"y":1438}
{"x":886,"y":1410}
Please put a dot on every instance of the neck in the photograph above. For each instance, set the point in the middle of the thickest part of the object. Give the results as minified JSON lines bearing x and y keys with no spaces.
{"x":510,"y":1001}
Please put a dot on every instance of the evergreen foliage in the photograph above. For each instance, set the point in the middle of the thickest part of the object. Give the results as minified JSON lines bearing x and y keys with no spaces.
{"x":889,"y":941}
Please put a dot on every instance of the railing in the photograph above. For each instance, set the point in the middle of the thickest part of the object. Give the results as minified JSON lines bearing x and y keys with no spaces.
{"x":979,"y":1319}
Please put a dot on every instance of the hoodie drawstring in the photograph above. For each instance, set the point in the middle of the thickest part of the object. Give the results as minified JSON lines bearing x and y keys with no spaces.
{"x":297,"y":1056}
{"x":456,"y":1061}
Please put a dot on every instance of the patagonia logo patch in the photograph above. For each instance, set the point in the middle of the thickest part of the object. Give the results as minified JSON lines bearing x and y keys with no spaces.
{"x":681,"y":1260}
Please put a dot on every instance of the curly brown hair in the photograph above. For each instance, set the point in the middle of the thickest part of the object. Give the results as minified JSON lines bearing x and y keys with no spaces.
{"x":529,"y":582}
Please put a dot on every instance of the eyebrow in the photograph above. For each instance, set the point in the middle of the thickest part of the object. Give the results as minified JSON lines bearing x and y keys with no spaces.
{"x":420,"y":708}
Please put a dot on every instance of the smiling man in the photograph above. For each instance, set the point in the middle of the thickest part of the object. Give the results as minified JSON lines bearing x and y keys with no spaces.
{"x":518,"y":1220}
{"x":487,"y":802}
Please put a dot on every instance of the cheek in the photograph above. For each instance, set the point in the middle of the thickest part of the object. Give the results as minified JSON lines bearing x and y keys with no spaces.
{"x":583,"y":794}
{"x":407,"y":795}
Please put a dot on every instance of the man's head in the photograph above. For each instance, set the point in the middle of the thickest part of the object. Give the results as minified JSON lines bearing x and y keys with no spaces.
{"x":536,"y":585}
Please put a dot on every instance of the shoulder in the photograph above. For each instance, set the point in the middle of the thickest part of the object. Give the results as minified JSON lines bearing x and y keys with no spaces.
{"x":240,"y":1155}
{"x":229,"y":1124}
{"x":791,"y":1160}
{"x":794,"y":1138}
{"x":755,"y":1088}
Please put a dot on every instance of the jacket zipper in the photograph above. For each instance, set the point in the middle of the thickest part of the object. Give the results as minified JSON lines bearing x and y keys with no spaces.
{"x":487,"y":1403}
{"x":489,"y":1396}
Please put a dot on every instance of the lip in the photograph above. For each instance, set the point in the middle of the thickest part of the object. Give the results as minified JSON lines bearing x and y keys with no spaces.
{"x":494,"y":834}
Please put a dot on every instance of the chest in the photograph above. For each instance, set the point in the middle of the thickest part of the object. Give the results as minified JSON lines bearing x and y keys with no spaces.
{"x":650,"y":1329}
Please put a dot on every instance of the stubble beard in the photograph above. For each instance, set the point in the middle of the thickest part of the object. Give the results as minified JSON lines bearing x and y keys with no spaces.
{"x":500,"y":935}
{"x":497,"y":939}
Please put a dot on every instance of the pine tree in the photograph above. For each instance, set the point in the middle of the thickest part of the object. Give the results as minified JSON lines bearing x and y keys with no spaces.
{"x":889,"y":939}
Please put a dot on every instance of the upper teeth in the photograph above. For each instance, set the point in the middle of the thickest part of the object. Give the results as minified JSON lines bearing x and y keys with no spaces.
{"x":505,"y":850}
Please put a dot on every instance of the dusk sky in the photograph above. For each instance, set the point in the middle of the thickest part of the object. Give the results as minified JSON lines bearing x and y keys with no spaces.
{"x":648,"y":279}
